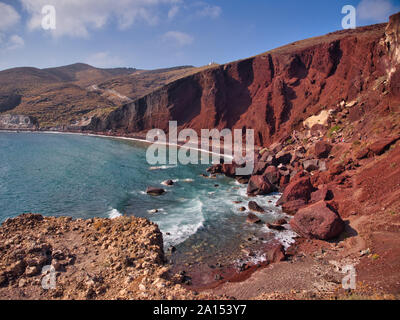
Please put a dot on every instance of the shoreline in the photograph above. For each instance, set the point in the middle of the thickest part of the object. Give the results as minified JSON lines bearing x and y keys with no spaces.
{"x":138,"y":139}
{"x":229,"y":270}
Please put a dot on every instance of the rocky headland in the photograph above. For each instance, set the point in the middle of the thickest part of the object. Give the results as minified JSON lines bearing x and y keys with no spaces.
{"x":121,"y":258}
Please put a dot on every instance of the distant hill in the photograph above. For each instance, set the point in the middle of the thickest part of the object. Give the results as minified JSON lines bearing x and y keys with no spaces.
{"x":67,"y":94}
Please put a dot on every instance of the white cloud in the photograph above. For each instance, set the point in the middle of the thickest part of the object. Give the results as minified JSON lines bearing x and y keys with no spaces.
{"x":76,"y":18}
{"x":11,"y":43}
{"x":179,"y":38}
{"x":104,"y":60}
{"x":173,"y":12}
{"x":207,"y":10}
{"x":15,"y":42}
{"x":376,"y":10}
{"x":8,"y":16}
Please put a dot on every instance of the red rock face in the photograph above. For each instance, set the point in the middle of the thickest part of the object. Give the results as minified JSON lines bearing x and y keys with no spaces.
{"x":317,"y":221}
{"x":271,"y":93}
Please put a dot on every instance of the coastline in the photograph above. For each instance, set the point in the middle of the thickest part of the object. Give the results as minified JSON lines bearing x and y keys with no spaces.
{"x":112,"y":136}
{"x":228,"y":270}
{"x":309,"y":268}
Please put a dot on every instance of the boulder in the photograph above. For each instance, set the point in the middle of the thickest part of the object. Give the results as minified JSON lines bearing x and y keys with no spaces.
{"x":311,"y":165}
{"x":283,"y":182}
{"x":215,"y":169}
{"x":168,"y":183}
{"x":362,"y":154}
{"x":272,"y":174}
{"x":323,"y":193}
{"x":382,"y":145}
{"x":155,"y":191}
{"x":243,"y":179}
{"x":277,"y":225}
{"x":259,"y":185}
{"x":291,"y":207}
{"x":260,"y":167}
{"x":322,"y":149}
{"x":276,"y":253}
{"x":299,"y":189}
{"x":283,"y":157}
{"x":317,"y":221}
{"x":336,"y":169}
{"x":229,"y":169}
{"x":276,"y":147}
{"x":322,"y":165}
{"x":253,"y":206}
{"x":252,"y":218}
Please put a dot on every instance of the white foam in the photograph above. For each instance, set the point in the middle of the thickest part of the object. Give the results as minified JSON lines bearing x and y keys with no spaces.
{"x":180,"y":230}
{"x":164,"y":167}
{"x":285,"y":237}
{"x":114,"y":213}
{"x":155,"y":211}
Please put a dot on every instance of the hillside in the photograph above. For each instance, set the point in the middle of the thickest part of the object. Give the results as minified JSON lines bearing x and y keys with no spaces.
{"x":72,"y":95}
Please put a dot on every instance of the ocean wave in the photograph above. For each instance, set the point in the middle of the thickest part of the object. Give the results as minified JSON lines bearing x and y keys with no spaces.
{"x":114,"y":213}
{"x":180,"y":230}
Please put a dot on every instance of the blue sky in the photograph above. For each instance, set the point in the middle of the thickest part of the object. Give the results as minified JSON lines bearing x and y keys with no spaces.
{"x":151,"y":34}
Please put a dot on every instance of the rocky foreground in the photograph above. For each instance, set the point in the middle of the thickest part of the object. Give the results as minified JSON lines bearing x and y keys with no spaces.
{"x":92,"y":259}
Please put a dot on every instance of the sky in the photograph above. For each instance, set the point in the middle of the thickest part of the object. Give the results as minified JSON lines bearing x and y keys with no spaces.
{"x":150,"y":34}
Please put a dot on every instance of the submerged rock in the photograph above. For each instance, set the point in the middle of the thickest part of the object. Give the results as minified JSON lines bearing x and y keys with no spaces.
{"x":168,"y":183}
{"x":155,"y":191}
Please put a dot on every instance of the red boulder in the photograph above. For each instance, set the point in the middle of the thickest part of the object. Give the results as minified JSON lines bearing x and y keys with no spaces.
{"x":272,"y":174}
{"x":322,"y":149}
{"x":298,"y":189}
{"x":317,"y":221}
{"x":380,"y":146}
{"x":291,"y":207}
{"x":259,"y":185}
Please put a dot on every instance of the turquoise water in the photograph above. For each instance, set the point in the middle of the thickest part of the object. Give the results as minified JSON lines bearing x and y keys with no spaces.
{"x":85,"y":176}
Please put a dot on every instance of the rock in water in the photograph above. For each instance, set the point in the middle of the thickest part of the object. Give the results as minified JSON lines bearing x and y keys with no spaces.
{"x":277,"y":225}
{"x":252,"y":219}
{"x":155,"y":191}
{"x":168,"y":183}
{"x":253,"y":206}
{"x":317,"y":221}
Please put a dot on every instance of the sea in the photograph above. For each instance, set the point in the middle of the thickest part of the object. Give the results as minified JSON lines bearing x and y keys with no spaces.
{"x":86,"y":176}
